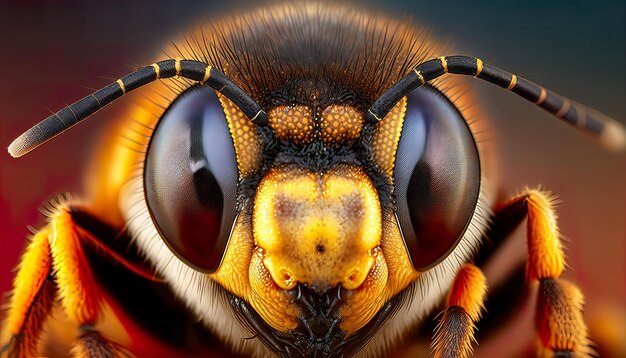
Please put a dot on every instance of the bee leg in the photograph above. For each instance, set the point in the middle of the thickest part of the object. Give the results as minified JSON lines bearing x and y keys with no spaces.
{"x":32,"y":300}
{"x":91,"y":344}
{"x":454,"y":334}
{"x":56,"y":253}
{"x":561,"y":328}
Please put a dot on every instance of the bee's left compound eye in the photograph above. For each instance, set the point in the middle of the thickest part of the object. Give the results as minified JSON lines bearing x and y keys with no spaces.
{"x":437,"y":176}
{"x":190,"y":179}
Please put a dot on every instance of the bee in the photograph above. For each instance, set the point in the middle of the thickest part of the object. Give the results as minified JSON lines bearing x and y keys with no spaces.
{"x":302,"y":180}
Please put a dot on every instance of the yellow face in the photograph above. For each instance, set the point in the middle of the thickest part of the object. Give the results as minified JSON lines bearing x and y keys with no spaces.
{"x":310,"y":231}
{"x":319,"y":230}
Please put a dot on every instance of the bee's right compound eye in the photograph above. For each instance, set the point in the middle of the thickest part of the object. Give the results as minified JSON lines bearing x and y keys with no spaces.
{"x":437,"y":177}
{"x":190,"y":179}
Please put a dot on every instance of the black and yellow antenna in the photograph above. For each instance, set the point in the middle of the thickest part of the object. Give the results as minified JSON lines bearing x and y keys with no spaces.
{"x":82,"y":109}
{"x":605,"y":129}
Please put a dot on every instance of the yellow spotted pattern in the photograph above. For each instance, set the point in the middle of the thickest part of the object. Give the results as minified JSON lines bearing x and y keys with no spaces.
{"x":385,"y":141}
{"x":292,"y":123}
{"x":245,"y":138}
{"x":341,"y":123}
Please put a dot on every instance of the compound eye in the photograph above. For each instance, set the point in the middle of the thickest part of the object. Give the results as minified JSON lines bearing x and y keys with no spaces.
{"x":190,"y":179}
{"x":437,"y":176}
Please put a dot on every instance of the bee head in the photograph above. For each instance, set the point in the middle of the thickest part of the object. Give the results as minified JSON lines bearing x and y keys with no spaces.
{"x":310,"y":185}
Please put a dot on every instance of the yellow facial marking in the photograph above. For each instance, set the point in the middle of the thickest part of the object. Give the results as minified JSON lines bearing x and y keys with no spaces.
{"x":233,"y":270}
{"x":391,"y":273}
{"x":245,"y":137}
{"x":341,"y":123}
{"x":318,"y":229}
{"x":292,"y":123}
{"x":243,"y":273}
{"x":367,"y":300}
{"x":385,"y":141}
{"x":273,"y":304}
{"x":298,"y":124}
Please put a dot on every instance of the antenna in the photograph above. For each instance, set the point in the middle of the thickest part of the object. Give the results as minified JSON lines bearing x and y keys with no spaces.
{"x":78,"y":111}
{"x":603,"y":128}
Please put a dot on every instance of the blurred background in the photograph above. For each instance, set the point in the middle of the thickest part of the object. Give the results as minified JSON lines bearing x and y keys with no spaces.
{"x":53,"y":53}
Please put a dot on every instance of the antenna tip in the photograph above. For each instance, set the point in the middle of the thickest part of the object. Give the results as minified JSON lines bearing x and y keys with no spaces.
{"x":31,"y":139}
{"x":614,"y":136}
{"x":16,"y":148}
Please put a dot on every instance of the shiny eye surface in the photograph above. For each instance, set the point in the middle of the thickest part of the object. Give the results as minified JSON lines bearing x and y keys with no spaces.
{"x":190,"y":179}
{"x":437,"y":176}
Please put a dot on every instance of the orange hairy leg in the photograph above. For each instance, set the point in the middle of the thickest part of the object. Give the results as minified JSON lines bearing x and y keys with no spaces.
{"x":32,"y":298}
{"x":54,"y":265}
{"x":559,"y":318}
{"x":455,"y":332}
